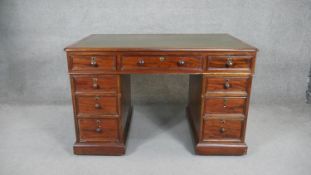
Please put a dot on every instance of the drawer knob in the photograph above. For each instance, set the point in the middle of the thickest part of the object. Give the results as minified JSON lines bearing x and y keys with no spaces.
{"x":229,"y":62}
{"x":181,"y":63}
{"x":95,"y":85}
{"x":93,"y":61}
{"x":97,"y":106}
{"x":98,"y":129}
{"x":141,"y":62}
{"x":222,"y":130}
{"x":227,"y":84}
{"x":162,"y":59}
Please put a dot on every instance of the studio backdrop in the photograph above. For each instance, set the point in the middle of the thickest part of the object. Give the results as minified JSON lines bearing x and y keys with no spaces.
{"x":33,"y":35}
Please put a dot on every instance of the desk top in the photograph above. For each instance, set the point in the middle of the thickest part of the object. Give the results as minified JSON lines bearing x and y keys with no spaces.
{"x":160,"y":42}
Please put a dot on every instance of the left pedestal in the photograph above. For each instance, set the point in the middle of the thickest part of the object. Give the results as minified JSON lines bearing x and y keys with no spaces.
{"x":101,"y":104}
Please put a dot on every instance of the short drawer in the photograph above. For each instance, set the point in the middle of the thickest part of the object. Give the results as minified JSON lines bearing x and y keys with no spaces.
{"x":222,"y":129}
{"x":92,"y":63}
{"x":225,"y":105}
{"x":161,"y":62}
{"x":95,"y":83}
{"x":97,"y":105}
{"x":229,"y":63}
{"x":98,"y":130}
{"x":237,"y":85}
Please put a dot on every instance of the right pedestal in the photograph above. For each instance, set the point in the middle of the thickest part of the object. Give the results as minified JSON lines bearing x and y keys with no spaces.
{"x":217,"y":113}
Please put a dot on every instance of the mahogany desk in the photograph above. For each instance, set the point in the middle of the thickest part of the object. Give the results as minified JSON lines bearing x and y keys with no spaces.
{"x":220,"y":69}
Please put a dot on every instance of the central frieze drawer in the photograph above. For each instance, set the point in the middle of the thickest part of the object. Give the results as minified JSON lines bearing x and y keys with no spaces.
{"x":97,"y":105}
{"x":161,"y":62}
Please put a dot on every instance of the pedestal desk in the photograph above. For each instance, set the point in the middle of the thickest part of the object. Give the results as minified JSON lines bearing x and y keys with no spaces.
{"x":220,"y":69}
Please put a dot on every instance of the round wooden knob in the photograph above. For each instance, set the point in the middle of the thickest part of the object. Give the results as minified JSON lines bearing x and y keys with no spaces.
{"x":222,"y":130}
{"x":95,"y":85}
{"x":93,"y":61}
{"x":227,"y":85}
{"x":98,"y":129}
{"x":229,"y":62}
{"x":97,"y":106}
{"x":181,"y":63}
{"x":141,"y":62}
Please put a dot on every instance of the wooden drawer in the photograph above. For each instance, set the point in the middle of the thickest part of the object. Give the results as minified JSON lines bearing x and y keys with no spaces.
{"x":233,"y":85}
{"x":229,"y":63}
{"x":97,"y":105}
{"x":98,"y":130}
{"x":222,"y":129}
{"x":225,"y":105}
{"x":92,"y":63}
{"x":95,"y":83}
{"x":161,"y":62}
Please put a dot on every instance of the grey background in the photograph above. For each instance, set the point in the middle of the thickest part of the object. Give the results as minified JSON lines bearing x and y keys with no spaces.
{"x":34,"y":33}
{"x":36,"y":130}
{"x":308,"y":93}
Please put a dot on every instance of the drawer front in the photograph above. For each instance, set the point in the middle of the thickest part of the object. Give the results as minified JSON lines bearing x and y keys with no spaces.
{"x":98,"y":130}
{"x":92,"y":63}
{"x":214,"y":129}
{"x":227,"y":84}
{"x":161,"y":62}
{"x":95,"y":83}
{"x":225,"y":63}
{"x":97,"y":105}
{"x":225,"y":105}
